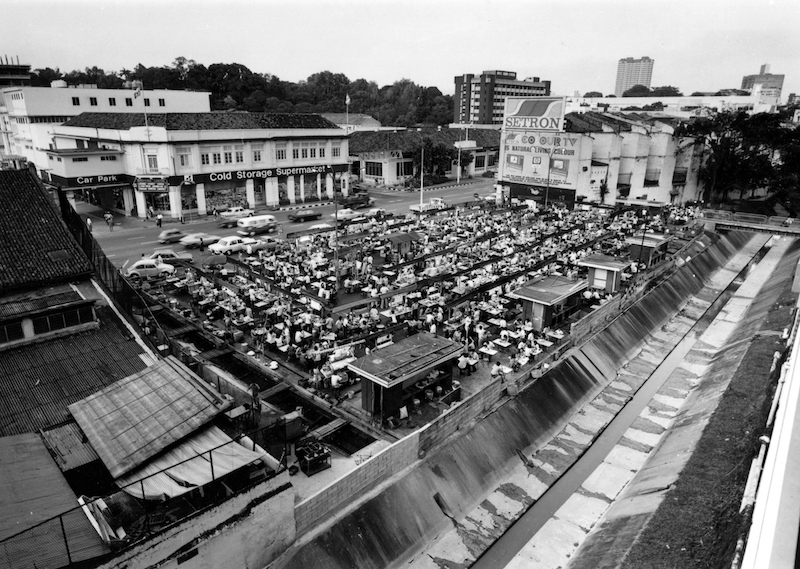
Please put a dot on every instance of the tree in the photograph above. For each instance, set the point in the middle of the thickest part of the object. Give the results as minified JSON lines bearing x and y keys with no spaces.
{"x":43,"y":77}
{"x":637,"y":91}
{"x":666,"y":91}
{"x":593,"y":94}
{"x":738,"y":150}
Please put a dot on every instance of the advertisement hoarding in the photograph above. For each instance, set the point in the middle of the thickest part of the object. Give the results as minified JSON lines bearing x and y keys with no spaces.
{"x":534,"y":150}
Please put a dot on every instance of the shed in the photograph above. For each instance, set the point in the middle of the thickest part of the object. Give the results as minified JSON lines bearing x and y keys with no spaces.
{"x":401,"y":240}
{"x":549,"y":301}
{"x":605,"y":272}
{"x":647,"y":248}
{"x":411,"y":369}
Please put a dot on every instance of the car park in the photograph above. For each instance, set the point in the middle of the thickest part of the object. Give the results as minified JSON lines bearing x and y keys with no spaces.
{"x":304,"y":215}
{"x":148,"y":268}
{"x":171,"y":236}
{"x":192,"y":240}
{"x":169,"y":256}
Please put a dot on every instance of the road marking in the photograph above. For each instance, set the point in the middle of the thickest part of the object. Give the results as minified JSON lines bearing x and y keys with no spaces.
{"x":148,"y":242}
{"x":133,"y":238}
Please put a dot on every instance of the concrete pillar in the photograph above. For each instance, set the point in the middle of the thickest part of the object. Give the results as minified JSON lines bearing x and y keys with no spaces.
{"x":271,"y":192}
{"x":71,"y":198}
{"x":175,"y":208}
{"x":329,"y":185}
{"x":141,"y":204}
{"x":290,"y":188}
{"x":302,"y":188}
{"x":250,"y":189}
{"x":128,"y":199}
{"x":319,"y":187}
{"x":200,"y":192}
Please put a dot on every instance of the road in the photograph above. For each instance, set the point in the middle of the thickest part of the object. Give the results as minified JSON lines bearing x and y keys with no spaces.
{"x":129,"y":241}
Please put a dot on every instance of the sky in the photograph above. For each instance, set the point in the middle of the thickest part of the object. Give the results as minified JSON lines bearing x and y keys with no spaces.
{"x":697,"y":45}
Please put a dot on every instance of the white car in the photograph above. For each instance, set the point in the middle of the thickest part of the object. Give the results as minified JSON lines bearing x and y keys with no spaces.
{"x":229,"y":245}
{"x":236,"y":212}
{"x":258,"y":243}
{"x":192,"y":240}
{"x":169,"y":256}
{"x":148,"y":268}
{"x":321,"y":227}
{"x":345,"y":214}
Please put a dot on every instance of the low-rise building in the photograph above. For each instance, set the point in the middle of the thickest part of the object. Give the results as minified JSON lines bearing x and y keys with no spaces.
{"x":194,"y":163}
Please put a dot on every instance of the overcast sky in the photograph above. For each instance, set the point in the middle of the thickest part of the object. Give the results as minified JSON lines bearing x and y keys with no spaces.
{"x":697,"y":45}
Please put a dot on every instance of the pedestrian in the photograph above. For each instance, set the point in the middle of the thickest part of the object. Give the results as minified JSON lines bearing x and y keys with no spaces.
{"x":215,"y":212}
{"x":159,"y":217}
{"x":89,"y":224}
{"x":149,"y":211}
{"x":202,"y":246}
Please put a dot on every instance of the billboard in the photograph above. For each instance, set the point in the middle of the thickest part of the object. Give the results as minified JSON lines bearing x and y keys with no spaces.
{"x":534,"y":113}
{"x":540,"y":158}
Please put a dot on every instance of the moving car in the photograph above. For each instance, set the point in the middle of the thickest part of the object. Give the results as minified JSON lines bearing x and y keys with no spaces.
{"x":321,"y":227}
{"x":229,"y":245}
{"x":345,"y":214}
{"x":356,"y":201}
{"x":192,"y":240}
{"x":147,"y":268}
{"x":249,"y":226}
{"x":378,"y":213}
{"x":171,"y":236}
{"x":304,"y":215}
{"x":230,"y":216}
{"x":169,"y":256}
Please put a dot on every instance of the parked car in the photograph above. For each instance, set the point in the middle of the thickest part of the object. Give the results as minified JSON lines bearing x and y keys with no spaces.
{"x":230,"y":216}
{"x":304,"y":215}
{"x":192,"y":240}
{"x":169,"y":256}
{"x":147,"y":268}
{"x":229,"y":245}
{"x":171,"y":236}
{"x":259,"y":243}
{"x":320,"y":227}
{"x":345,"y":214}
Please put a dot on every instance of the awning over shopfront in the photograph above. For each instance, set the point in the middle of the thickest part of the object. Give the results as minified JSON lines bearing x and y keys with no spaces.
{"x":200,"y":459}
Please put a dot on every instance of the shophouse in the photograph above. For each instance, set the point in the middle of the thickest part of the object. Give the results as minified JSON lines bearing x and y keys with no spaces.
{"x":28,"y":115}
{"x":387,"y":157}
{"x":187,"y":164}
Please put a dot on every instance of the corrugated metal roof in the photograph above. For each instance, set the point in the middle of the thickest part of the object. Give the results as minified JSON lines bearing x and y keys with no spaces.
{"x":32,"y":490}
{"x":203,"y":121}
{"x":139,"y":416}
{"x":39,"y":381}
{"x":30,"y":229}
{"x":37,"y":303}
{"x":69,"y":446}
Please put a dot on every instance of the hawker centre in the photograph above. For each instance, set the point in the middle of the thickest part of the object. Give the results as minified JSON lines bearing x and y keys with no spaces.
{"x":184,"y":164}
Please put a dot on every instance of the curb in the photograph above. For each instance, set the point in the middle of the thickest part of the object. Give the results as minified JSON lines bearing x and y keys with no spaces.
{"x":439,"y":187}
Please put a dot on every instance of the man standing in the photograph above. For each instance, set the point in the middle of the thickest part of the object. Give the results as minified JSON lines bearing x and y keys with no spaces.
{"x":202,"y":246}
{"x":159,"y":217}
{"x":89,"y":224}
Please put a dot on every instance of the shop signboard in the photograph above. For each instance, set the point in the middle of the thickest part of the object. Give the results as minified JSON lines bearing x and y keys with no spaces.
{"x":90,"y":181}
{"x":540,"y":195}
{"x":260,"y":174}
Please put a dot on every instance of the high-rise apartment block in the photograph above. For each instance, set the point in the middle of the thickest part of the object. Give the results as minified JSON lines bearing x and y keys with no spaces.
{"x":767,"y":80}
{"x":632,"y":72}
{"x":481,"y":99}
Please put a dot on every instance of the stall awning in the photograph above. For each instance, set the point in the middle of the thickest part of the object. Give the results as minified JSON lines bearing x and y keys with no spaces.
{"x":198,"y":460}
{"x":403,"y":237}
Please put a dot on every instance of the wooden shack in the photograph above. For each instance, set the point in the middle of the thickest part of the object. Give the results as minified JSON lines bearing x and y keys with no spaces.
{"x":548,"y":301}
{"x":605,"y":272}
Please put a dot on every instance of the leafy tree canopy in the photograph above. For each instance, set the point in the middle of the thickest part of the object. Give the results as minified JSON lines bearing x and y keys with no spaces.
{"x":637,"y":91}
{"x":595,"y":94}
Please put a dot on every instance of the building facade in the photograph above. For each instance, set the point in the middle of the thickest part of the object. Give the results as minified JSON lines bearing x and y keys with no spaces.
{"x":28,"y":115}
{"x":632,"y":72}
{"x":765,"y":83}
{"x":185,"y":164}
{"x":480,"y":99}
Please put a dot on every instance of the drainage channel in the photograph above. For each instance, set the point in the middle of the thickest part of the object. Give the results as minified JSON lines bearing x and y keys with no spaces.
{"x":502,"y":551}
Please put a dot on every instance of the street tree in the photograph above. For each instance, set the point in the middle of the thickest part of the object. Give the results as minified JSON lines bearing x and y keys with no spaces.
{"x":637,"y":91}
{"x":593,"y":94}
{"x":666,"y":91}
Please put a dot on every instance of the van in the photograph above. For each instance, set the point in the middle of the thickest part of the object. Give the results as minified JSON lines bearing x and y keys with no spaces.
{"x":249,"y":226}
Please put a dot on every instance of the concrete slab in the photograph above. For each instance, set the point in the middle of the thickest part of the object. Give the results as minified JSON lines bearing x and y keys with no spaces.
{"x":450,"y":547}
{"x":506,"y":506}
{"x":583,"y":511}
{"x":550,"y":548}
{"x":607,"y":480}
{"x":673,"y":402}
{"x":592,"y":419}
{"x":572,"y":434}
{"x":627,"y":458}
{"x":647,"y":439}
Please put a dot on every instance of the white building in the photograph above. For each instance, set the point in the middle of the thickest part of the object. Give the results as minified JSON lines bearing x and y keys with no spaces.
{"x":632,"y":72}
{"x":192,"y":163}
{"x":28,"y":114}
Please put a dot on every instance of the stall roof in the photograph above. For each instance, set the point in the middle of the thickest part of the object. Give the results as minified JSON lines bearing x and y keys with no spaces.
{"x":403,"y":237}
{"x":652,"y":240}
{"x":33,"y":490}
{"x":549,"y":290}
{"x":600,"y":261}
{"x":137,"y":417}
{"x":398,"y":362}
{"x":69,"y":448}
